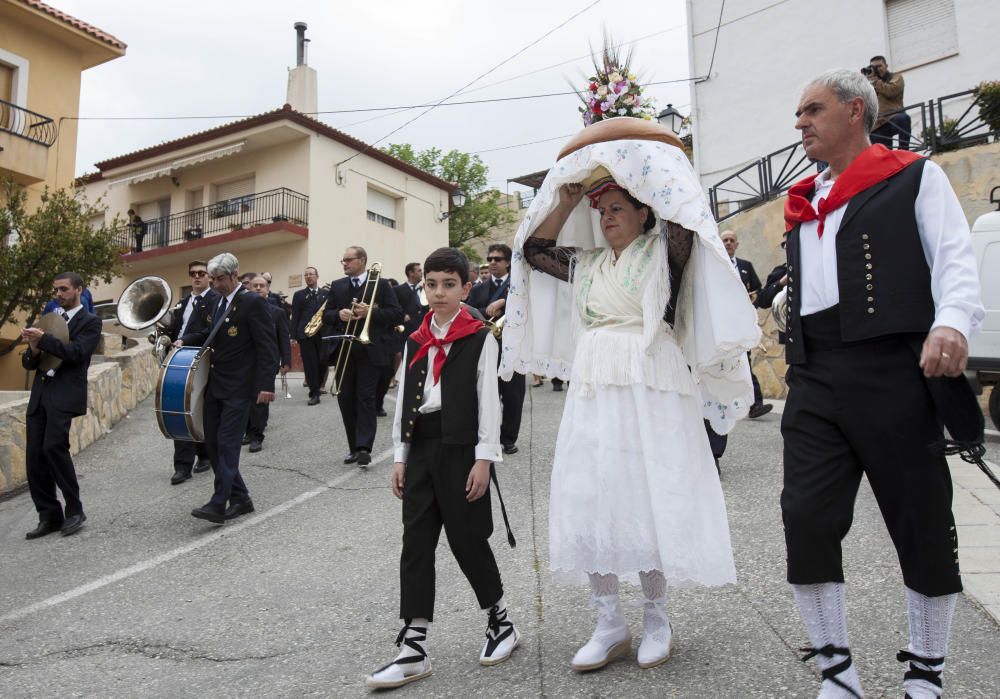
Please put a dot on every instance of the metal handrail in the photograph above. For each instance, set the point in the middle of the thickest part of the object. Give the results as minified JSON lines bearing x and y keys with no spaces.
{"x":773,"y":174}
{"x":271,"y":206}
{"x":27,"y":124}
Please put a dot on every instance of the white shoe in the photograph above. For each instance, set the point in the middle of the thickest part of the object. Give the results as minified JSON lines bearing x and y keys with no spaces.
{"x":410,"y":665}
{"x":612,"y":638}
{"x":657,"y":635}
{"x":501,"y":638}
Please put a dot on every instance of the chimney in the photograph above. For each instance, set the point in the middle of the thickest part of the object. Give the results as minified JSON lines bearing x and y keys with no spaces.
{"x":302,"y":88}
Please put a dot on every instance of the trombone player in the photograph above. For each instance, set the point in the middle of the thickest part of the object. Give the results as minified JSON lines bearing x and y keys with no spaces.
{"x":305,"y":303}
{"x":352,"y":298}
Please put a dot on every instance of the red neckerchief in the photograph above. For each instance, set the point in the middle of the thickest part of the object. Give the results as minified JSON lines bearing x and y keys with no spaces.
{"x":873,"y":165}
{"x":462,"y":326}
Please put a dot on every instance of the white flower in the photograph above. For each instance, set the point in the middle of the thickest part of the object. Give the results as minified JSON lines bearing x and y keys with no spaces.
{"x":622,"y":112}
{"x":615,"y":77}
{"x":602,"y":90}
{"x":628,"y":99}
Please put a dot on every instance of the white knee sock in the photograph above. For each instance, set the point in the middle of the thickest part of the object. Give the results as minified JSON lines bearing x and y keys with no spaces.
{"x":821,"y":607}
{"x":419,"y":638}
{"x":654,"y":584}
{"x":603,"y":584}
{"x":610,"y":616}
{"x":930,"y":623}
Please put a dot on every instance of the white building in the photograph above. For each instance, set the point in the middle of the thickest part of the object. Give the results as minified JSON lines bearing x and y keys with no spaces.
{"x":755,"y":61}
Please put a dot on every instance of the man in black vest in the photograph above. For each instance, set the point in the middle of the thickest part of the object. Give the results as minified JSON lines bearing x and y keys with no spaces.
{"x":244,"y":362}
{"x":359,"y":381}
{"x":748,"y":275}
{"x":882,"y":295}
{"x":57,"y":396}
{"x":305,"y":303}
{"x":192,"y":318}
{"x":490,"y":298}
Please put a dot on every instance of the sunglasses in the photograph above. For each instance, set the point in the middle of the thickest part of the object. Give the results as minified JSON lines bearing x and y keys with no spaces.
{"x":496,"y":259}
{"x":348,"y":259}
{"x":198,"y":273}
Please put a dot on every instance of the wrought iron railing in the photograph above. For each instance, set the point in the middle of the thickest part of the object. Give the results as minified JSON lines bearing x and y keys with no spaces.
{"x":272,"y":206}
{"x":25,"y":123}
{"x":939,"y":125}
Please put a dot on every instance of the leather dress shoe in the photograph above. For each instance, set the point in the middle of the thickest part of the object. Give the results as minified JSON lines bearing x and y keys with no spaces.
{"x":351,"y":458}
{"x":509,"y":448}
{"x":202,"y":465}
{"x":759,"y":409}
{"x":313,"y":401}
{"x":73,"y":524}
{"x":381,"y":413}
{"x":364,"y":457}
{"x":255,"y":446}
{"x":245,"y":440}
{"x":236,"y":509}
{"x":44,"y":527}
{"x":210,"y":513}
{"x":180,"y":475}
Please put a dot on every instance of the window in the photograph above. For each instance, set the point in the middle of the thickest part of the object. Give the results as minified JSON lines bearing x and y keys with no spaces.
{"x":382,"y":208}
{"x":920,"y":31}
{"x":234,"y":197}
{"x":96,"y":221}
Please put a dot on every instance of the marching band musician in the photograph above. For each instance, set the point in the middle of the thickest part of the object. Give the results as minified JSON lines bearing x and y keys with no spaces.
{"x":360,"y":373}
{"x":305,"y":303}
{"x":193,"y":316}
{"x":260,"y":411}
{"x":244,"y":363}
{"x":408,"y":294}
{"x":57,"y":396}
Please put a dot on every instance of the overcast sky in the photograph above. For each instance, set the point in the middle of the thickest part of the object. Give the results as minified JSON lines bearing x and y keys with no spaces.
{"x":215,"y":57}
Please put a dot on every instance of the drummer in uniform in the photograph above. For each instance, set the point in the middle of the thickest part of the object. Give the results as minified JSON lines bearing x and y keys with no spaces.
{"x":244,"y":362}
{"x":57,"y":396}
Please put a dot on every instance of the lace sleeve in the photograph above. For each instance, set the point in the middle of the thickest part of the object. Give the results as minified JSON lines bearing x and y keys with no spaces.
{"x":545,"y":256}
{"x":679,"y":242}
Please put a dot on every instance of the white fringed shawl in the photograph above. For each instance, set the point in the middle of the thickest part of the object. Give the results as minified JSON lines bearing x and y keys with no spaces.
{"x":715,"y":324}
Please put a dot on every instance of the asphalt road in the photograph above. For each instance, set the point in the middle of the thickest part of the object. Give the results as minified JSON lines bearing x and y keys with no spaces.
{"x":300,"y":598}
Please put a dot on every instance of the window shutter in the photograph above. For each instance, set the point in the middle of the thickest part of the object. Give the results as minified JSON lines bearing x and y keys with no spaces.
{"x":231,"y":190}
{"x":381,"y":204}
{"x":920,"y":31}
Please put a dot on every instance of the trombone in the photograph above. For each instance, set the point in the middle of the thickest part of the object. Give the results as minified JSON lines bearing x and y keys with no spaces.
{"x":351,"y":334}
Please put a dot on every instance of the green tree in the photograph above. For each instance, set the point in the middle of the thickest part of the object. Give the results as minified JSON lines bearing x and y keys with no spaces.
{"x":56,"y":237}
{"x":483,"y":210}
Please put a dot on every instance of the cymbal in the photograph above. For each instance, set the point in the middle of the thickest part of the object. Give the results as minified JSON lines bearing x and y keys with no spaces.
{"x":55,"y":325}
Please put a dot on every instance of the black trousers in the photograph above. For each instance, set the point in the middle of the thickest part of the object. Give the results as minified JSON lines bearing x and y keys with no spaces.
{"x":49,"y":464}
{"x":856,"y":410}
{"x":225,"y":421}
{"x":313,"y":362}
{"x":384,"y":379}
{"x":717,"y":441}
{"x":357,"y":400}
{"x":185,"y":454}
{"x":512,"y":397}
{"x":434,"y":496}
{"x":257,"y":422}
{"x":758,"y":395}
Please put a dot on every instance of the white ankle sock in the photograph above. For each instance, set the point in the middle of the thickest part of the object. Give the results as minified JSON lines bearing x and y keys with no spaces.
{"x":406,"y":651}
{"x":930,"y":623}
{"x":821,"y":607}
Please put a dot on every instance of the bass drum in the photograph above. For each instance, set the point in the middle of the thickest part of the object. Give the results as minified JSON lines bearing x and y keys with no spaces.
{"x":180,"y":393}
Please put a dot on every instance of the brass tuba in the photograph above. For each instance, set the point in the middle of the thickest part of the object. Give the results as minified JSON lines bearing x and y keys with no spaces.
{"x":351,"y":334}
{"x":779,"y":310}
{"x":144,"y":304}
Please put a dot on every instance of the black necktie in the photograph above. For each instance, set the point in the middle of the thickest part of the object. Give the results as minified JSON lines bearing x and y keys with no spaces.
{"x":65,"y":316}
{"x":356,"y":283}
{"x":220,"y":312}
{"x":496,"y":284}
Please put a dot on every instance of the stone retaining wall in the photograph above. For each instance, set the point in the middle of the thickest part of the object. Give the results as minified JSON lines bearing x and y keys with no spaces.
{"x":116,"y":385}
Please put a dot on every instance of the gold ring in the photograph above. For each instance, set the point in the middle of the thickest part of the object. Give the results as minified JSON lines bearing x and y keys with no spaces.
{"x":945,"y":355}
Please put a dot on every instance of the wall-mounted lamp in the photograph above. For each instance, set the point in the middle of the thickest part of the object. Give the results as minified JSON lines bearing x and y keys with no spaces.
{"x":177,"y":182}
{"x":457,"y":202}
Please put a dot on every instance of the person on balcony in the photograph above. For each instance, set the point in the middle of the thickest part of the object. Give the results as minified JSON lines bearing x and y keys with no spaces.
{"x":892,"y":119}
{"x":138,"y":228}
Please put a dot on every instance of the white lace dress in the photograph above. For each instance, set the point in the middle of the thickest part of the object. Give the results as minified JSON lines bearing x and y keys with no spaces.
{"x":634,"y":485}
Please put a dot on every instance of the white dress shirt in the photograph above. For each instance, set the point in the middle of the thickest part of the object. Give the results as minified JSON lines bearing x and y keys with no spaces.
{"x":487,"y":391}
{"x":71,"y":312}
{"x":944,"y":236}
{"x":189,"y":309}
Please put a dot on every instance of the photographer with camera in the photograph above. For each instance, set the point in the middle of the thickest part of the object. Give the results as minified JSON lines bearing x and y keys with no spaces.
{"x":892,"y":119}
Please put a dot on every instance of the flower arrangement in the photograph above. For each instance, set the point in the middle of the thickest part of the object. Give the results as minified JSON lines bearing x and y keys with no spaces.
{"x":613,"y":90}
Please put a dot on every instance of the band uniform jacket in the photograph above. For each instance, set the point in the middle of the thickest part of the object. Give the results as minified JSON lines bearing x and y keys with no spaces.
{"x":281,"y":334}
{"x":409,"y":301}
{"x":244,"y":350}
{"x":748,"y":275}
{"x":66,"y":390}
{"x":200,"y":317}
{"x":304,"y":307}
{"x":482,"y":295}
{"x":385,"y":317}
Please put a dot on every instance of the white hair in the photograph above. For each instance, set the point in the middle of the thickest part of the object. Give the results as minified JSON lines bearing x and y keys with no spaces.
{"x":223,"y":263}
{"x":847,"y":85}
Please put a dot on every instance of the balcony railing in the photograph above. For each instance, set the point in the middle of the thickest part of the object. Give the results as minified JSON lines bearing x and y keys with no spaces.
{"x":272,"y":206}
{"x":27,"y":124}
{"x":930,"y":131}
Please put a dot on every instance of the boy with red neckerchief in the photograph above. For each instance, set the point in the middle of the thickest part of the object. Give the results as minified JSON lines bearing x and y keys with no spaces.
{"x":446,"y":433}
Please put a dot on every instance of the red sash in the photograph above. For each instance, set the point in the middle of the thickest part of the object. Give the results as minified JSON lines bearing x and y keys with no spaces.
{"x":462,"y":326}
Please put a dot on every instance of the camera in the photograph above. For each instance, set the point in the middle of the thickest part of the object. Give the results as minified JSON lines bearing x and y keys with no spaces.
{"x":867,"y":70}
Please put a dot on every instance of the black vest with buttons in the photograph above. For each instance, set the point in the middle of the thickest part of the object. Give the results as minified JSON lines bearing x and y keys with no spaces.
{"x":882,"y":274}
{"x":459,"y":399}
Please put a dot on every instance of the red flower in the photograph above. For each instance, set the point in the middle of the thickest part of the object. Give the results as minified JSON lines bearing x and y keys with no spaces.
{"x":593,"y":87}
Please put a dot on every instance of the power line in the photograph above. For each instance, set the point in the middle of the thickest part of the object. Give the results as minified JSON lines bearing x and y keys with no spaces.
{"x":473,"y":81}
{"x":718,"y":30}
{"x":519,"y":145}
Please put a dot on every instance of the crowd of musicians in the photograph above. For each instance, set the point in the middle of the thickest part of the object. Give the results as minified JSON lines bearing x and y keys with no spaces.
{"x":878,"y":312}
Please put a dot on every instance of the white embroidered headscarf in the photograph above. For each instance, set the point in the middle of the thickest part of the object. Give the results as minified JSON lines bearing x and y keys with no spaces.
{"x":715,"y":324}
